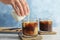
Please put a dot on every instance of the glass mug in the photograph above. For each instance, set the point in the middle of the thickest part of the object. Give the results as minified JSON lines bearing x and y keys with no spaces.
{"x":45,"y":25}
{"x":30,"y":28}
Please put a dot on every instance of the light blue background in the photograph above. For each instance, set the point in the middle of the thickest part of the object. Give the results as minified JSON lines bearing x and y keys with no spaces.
{"x":38,"y":9}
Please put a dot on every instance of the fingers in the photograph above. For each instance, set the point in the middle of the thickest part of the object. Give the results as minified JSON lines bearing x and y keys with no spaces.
{"x":20,"y":7}
{"x":25,"y":6}
{"x":28,"y":10}
{"x":15,"y":8}
{"x":18,"y":11}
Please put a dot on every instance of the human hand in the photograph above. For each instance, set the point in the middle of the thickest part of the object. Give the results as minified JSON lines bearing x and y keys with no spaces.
{"x":20,"y":6}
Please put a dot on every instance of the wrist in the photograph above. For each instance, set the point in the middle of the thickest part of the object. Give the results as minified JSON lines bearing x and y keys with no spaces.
{"x":0,"y":0}
{"x":5,"y":1}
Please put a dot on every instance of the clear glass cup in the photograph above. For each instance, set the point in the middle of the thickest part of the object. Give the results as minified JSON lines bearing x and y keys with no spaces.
{"x":45,"y":25}
{"x":30,"y":28}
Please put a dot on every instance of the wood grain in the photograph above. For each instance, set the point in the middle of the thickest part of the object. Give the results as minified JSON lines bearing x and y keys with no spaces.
{"x":46,"y":33}
{"x":30,"y":38}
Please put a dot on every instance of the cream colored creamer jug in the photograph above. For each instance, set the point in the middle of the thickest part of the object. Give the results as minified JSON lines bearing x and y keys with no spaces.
{"x":16,"y":17}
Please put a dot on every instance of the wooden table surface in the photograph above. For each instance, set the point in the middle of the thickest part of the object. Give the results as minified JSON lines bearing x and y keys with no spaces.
{"x":16,"y":37}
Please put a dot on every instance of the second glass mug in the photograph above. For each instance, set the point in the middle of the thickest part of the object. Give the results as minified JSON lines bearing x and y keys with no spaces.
{"x":45,"y":24}
{"x":30,"y":27}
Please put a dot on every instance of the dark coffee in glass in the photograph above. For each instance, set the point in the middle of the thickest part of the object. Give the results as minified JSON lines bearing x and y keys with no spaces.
{"x":30,"y":28}
{"x":45,"y":25}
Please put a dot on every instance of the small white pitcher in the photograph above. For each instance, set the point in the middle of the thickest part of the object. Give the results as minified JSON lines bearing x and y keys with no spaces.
{"x":17,"y":17}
